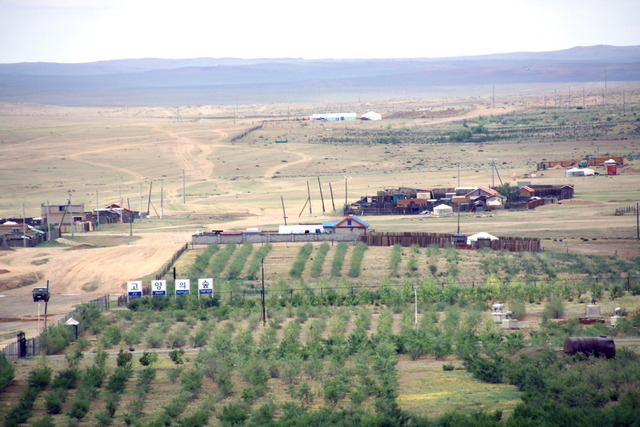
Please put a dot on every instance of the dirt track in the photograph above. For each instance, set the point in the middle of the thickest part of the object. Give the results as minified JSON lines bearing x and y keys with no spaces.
{"x":75,"y":276}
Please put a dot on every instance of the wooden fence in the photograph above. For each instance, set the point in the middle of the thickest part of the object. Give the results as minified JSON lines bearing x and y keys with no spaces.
{"x":513,"y":244}
{"x":626,"y":209}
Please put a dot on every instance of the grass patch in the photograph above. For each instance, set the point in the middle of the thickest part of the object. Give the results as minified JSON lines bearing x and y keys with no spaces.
{"x":426,"y":389}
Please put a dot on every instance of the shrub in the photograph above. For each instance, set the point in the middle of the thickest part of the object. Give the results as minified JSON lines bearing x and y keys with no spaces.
{"x":518,"y":308}
{"x":318,"y":260}
{"x":178,"y":338}
{"x":66,"y":379}
{"x":54,"y":400}
{"x":7,"y":372}
{"x":192,"y":380}
{"x":111,"y":336}
{"x":93,"y":376}
{"x":118,"y":380}
{"x":356,"y":259}
{"x":40,"y":377}
{"x":234,"y":413}
{"x":395,"y":258}
{"x":176,"y":356}
{"x":79,"y":409}
{"x":301,"y":260}
{"x":148,"y":358}
{"x":258,"y":256}
{"x":239,"y":260}
{"x":338,"y":259}
{"x":221,"y":258}
{"x":554,"y":308}
{"x":123,"y":358}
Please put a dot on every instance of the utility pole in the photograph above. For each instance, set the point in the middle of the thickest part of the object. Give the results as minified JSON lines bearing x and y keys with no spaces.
{"x":309,"y":197}
{"x":162,"y":198}
{"x":48,"y":223}
{"x":284,"y":214}
{"x":24,"y":227}
{"x":458,"y":174}
{"x":332,"y":201}
{"x":493,"y":183}
{"x":321,"y":196}
{"x":97,"y":211}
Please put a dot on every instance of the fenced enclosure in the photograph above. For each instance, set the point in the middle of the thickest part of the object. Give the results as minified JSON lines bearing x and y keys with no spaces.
{"x":31,"y":347}
{"x":442,"y":240}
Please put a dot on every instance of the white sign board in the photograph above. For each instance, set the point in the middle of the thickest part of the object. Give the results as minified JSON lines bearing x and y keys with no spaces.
{"x":134,"y":288}
{"x":183,"y":286}
{"x":205,"y":286}
{"x":159,"y":287}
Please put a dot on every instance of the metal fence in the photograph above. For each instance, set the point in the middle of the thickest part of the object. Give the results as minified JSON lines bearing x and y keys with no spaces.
{"x":31,"y":347}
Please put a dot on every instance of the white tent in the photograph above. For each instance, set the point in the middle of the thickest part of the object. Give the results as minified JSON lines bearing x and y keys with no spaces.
{"x":371,"y":116}
{"x":580,"y":172}
{"x":473,"y":239}
{"x":443,"y":210}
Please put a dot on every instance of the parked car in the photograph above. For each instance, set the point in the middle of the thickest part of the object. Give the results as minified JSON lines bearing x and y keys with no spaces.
{"x":40,"y":294}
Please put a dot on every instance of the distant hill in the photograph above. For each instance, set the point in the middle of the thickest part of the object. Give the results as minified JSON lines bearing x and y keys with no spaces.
{"x":201,"y":81}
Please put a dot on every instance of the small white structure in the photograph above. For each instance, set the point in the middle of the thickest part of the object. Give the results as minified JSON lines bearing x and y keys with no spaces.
{"x":333,"y":116}
{"x":473,"y":239}
{"x":371,"y":116}
{"x":443,"y":210}
{"x":593,"y":311}
{"x":580,"y":172}
{"x":301,"y":229}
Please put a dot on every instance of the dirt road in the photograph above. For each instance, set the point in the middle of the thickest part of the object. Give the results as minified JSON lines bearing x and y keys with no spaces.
{"x":76,"y":275}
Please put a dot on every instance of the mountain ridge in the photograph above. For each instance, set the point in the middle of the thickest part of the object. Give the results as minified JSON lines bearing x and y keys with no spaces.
{"x":149,"y":80}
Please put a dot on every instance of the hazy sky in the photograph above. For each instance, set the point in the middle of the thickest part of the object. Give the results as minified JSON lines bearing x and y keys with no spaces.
{"x":93,"y":30}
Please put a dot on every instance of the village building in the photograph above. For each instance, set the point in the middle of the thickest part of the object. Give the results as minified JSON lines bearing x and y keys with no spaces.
{"x":67,"y":217}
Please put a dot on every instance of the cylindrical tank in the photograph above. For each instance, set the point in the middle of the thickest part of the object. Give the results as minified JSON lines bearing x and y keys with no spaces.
{"x":597,"y":346}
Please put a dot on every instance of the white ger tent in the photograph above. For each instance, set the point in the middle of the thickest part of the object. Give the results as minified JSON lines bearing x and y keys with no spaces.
{"x":443,"y":210}
{"x":580,"y":172}
{"x":473,"y":239}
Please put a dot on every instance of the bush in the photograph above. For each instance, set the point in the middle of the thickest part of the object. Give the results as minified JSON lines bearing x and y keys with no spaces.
{"x":395,"y":258}
{"x":554,"y":308}
{"x":40,"y":377}
{"x":318,"y":260}
{"x":79,"y":409}
{"x":111,"y":336}
{"x":518,"y":308}
{"x":192,"y":380}
{"x":7,"y":372}
{"x":66,"y":379}
{"x":338,"y":259}
{"x":258,"y":256}
{"x":301,"y":260}
{"x":54,"y":401}
{"x":148,"y":358}
{"x":124,"y":358}
{"x":239,"y":260}
{"x":233,"y":414}
{"x":356,"y":259}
